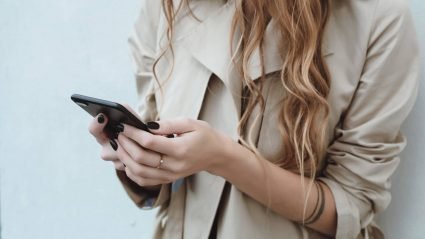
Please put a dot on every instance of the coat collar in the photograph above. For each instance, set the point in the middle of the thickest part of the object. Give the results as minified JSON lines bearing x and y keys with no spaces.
{"x":208,"y":41}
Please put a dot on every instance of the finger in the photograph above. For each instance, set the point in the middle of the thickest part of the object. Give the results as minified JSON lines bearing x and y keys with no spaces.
{"x":118,"y":165}
{"x":138,"y":116}
{"x":174,"y":126}
{"x":157,"y":143}
{"x":137,"y":153}
{"x":96,"y":128}
{"x":141,"y":181}
{"x":143,"y":170}
{"x":107,"y":153}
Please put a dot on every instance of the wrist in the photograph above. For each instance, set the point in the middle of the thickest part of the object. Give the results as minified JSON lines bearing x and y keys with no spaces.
{"x":229,"y":155}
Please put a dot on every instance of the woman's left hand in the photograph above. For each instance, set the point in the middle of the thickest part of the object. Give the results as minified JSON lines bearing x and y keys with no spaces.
{"x":196,"y":147}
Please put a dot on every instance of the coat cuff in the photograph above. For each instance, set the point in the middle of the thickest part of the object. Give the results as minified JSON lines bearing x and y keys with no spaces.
{"x":348,"y":219}
{"x":143,"y":198}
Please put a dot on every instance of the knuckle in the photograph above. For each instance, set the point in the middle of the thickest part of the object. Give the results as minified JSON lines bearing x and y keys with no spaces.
{"x":141,"y":182}
{"x":178,"y":153}
{"x":140,"y":157}
{"x":181,"y":152}
{"x":128,"y":173}
{"x":104,"y":155}
{"x":148,"y":142}
{"x":107,"y":155}
{"x":140,"y":171}
{"x":129,"y":134}
{"x":180,"y":167}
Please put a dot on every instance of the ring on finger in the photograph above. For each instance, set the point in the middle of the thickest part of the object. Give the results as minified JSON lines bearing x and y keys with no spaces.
{"x":161,"y":161}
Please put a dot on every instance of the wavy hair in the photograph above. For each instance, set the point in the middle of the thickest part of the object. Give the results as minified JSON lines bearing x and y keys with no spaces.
{"x":304,"y":111}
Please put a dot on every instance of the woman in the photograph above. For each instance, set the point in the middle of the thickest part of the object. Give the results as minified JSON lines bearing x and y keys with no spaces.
{"x":286,"y":116}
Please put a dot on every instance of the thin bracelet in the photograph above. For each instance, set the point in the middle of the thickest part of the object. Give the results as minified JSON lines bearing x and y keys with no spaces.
{"x":319,"y":212}
{"x":315,"y":206}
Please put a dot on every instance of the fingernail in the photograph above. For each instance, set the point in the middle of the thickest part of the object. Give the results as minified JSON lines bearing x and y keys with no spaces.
{"x":152,"y":125}
{"x":119,"y":128}
{"x":114,"y":144}
{"x":100,"y":119}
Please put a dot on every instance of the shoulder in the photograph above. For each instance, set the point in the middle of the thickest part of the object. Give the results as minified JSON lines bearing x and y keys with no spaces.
{"x":391,"y":7}
{"x":392,"y":23}
{"x":151,"y":5}
{"x":371,"y":12}
{"x":358,"y":23}
{"x":392,"y":16}
{"x":375,"y":5}
{"x":148,"y":19}
{"x":150,"y":10}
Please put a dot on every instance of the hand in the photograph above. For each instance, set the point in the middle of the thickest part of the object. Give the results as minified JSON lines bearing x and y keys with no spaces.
{"x":96,"y":128}
{"x":196,"y":147}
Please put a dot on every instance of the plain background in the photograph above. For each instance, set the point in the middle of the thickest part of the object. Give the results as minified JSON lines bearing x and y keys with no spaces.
{"x":53,"y":184}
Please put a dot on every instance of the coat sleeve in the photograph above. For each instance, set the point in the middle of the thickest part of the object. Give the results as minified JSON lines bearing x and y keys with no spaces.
{"x":367,"y":144}
{"x":142,"y":44}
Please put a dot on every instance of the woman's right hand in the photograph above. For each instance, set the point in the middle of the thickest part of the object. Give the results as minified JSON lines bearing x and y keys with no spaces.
{"x":96,"y":128}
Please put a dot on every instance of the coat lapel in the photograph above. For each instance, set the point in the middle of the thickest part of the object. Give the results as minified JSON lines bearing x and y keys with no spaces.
{"x":208,"y":41}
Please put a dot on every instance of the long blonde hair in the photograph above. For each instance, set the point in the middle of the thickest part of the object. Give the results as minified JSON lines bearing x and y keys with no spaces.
{"x":303,"y":116}
{"x":304,"y":111}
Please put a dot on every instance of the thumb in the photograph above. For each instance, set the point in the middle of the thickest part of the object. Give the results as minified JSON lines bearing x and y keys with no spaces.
{"x":175,"y":126}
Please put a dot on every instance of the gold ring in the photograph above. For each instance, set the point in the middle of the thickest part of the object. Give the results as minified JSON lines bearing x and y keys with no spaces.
{"x":161,"y":161}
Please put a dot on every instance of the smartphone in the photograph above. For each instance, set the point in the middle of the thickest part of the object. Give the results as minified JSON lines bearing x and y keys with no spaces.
{"x":115,"y":112}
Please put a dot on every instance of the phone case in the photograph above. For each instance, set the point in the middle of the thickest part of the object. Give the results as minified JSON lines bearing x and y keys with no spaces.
{"x":115,"y":112}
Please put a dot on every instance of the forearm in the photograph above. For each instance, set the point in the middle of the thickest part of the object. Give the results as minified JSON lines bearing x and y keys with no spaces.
{"x":275,"y":187}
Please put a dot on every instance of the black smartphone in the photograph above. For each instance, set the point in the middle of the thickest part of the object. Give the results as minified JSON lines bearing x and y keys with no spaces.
{"x":115,"y":112}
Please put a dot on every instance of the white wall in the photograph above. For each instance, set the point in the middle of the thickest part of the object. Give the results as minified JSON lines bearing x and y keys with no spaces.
{"x":53,"y":184}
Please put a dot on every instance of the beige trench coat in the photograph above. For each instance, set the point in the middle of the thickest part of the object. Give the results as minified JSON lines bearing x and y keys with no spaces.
{"x":371,"y":50}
